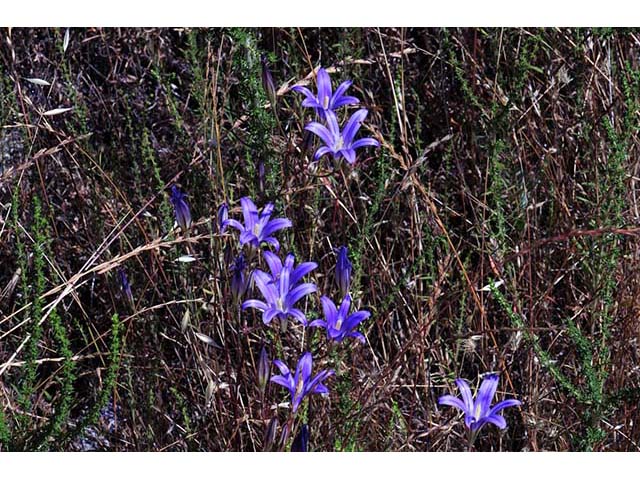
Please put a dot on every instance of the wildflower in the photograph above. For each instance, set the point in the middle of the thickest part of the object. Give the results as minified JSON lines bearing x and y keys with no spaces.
{"x":326,"y":100}
{"x":339,"y":323}
{"x":267,"y":81}
{"x":264,"y":369}
{"x":258,"y":228}
{"x":181,"y":208}
{"x":239,"y":281}
{"x":281,"y":294}
{"x":296,"y":274}
{"x":223,"y":217}
{"x":301,"y":442}
{"x":340,"y":143}
{"x":343,"y":270}
{"x":479,"y":412}
{"x":124,"y":283}
{"x":301,"y":384}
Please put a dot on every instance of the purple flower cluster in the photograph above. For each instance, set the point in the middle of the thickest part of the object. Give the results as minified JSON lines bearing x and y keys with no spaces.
{"x":339,"y":142}
{"x":282,"y":288}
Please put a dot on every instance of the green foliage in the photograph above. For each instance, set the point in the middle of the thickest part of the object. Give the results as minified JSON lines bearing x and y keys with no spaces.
{"x":261,"y":123}
{"x":62,"y":410}
{"x":108,"y":383}
{"x":32,"y":349}
{"x":151,"y":163}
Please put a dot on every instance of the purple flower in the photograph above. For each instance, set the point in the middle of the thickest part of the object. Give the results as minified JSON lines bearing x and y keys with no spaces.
{"x":239,"y":281}
{"x":281,"y":293}
{"x":343,"y":270}
{"x":301,"y":384}
{"x":258,"y":228}
{"x":326,"y":100}
{"x":339,"y":323}
{"x":479,"y":412}
{"x":340,"y":143}
{"x":180,"y":208}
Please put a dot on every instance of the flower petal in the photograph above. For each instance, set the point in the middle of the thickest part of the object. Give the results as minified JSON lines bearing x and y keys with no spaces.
{"x":275,"y":225}
{"x":248,"y":237}
{"x":332,"y":123}
{"x":353,"y":125}
{"x":232,"y":223}
{"x":284,"y":370}
{"x":324,"y":88}
{"x":284,"y":381}
{"x":321,"y":152}
{"x":266,"y":287}
{"x":318,"y":323}
{"x":268,"y":315}
{"x":301,"y":270}
{"x":298,"y":315}
{"x":452,"y":401}
{"x":306,"y":92}
{"x":365,"y":142}
{"x":356,"y":319}
{"x":272,"y":241}
{"x":260,"y":305}
{"x":345,"y":100}
{"x":274,"y":262}
{"x":343,"y":312}
{"x":358,"y":336}
{"x":338,"y":96}
{"x":504,"y":404}
{"x":304,"y":367}
{"x":249,"y":211}
{"x":329,"y":310}
{"x":497,"y":420}
{"x":300,"y":291}
{"x":321,"y":131}
{"x":349,"y":155}
{"x":315,"y":385}
{"x":485,"y":395}
{"x":465,"y":391}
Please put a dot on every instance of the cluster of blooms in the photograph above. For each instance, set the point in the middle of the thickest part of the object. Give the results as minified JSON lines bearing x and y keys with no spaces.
{"x":282,"y":288}
{"x":339,"y":142}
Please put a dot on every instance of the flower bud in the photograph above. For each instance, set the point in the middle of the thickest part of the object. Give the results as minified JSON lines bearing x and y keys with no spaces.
{"x":301,"y":442}
{"x":267,"y":81}
{"x":223,"y":217}
{"x":343,"y":271}
{"x":264,"y":369}
{"x":180,"y":208}
{"x":270,"y":434}
{"x":239,"y":280}
{"x":126,"y":287}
